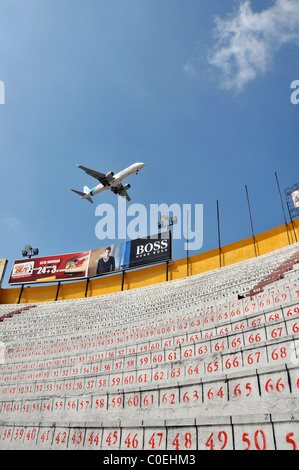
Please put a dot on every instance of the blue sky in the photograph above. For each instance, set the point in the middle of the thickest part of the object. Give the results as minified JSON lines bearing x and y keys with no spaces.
{"x":198,"y":90}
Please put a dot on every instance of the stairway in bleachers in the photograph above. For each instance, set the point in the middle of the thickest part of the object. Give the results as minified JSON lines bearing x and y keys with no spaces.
{"x":15,"y":312}
{"x":277,"y":274}
{"x":181,"y":365}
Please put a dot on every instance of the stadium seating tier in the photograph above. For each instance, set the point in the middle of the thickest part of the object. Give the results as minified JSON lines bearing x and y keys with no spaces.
{"x":206,"y":362}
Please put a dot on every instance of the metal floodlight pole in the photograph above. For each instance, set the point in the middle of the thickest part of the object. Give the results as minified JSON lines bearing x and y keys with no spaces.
{"x":169,"y":222}
{"x":219,"y":242}
{"x":29,"y":251}
{"x":285,"y":221}
{"x":252,"y":232}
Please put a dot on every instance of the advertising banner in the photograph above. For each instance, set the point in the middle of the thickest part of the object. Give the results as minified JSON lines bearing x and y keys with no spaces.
{"x":150,"y":249}
{"x":130,"y":254}
{"x":109,"y":259}
{"x":50,"y":268}
{"x":87,"y":264}
{"x":3,"y":263}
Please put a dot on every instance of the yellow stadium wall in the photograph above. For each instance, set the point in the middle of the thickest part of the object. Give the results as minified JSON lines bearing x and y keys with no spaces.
{"x":230,"y":254}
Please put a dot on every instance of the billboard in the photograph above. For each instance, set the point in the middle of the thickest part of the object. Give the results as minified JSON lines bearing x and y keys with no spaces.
{"x":100,"y":261}
{"x":3,"y":263}
{"x":50,"y":268}
{"x":130,"y":254}
{"x":292,"y":199}
{"x":108,"y":259}
{"x":151,"y":249}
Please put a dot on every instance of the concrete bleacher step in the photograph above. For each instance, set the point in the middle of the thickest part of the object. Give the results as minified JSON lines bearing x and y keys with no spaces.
{"x":267,"y":389}
{"x":264,"y":431}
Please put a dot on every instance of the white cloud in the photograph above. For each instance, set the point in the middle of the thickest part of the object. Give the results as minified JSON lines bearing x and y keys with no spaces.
{"x":190,"y":68}
{"x":247,"y":41}
{"x":12,"y":222}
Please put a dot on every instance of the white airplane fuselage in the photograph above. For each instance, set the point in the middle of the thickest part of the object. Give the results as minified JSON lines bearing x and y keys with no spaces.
{"x":116,"y":179}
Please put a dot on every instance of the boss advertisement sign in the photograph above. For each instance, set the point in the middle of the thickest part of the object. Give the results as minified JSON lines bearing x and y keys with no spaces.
{"x":150,"y":249}
{"x":105,"y":260}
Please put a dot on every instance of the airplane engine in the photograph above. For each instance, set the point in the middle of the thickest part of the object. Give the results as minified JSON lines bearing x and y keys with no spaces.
{"x":109,"y":176}
{"x":127,"y":186}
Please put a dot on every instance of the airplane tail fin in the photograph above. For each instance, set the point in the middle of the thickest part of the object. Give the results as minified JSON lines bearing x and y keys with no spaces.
{"x":86,"y":189}
{"x":83,"y":195}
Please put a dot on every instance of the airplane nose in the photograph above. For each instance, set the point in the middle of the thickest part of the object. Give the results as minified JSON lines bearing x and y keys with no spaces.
{"x":142,"y":165}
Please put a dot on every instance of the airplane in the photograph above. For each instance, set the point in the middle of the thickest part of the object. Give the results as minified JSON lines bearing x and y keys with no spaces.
{"x":109,"y":181}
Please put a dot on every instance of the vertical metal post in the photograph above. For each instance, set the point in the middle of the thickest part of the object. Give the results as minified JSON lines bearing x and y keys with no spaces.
{"x":171,"y":245}
{"x":123,"y":280}
{"x":219,"y":242}
{"x":285,"y":221}
{"x":21,"y":292}
{"x":86,"y":288}
{"x":58,"y":286}
{"x":252,"y":232}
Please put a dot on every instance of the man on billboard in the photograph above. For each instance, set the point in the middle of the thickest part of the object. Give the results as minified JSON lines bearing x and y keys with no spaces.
{"x":106,"y":263}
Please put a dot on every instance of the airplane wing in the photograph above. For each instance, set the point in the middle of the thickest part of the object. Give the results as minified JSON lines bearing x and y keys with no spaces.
{"x":124,"y":194}
{"x":121,"y":191}
{"x":101,"y":177}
